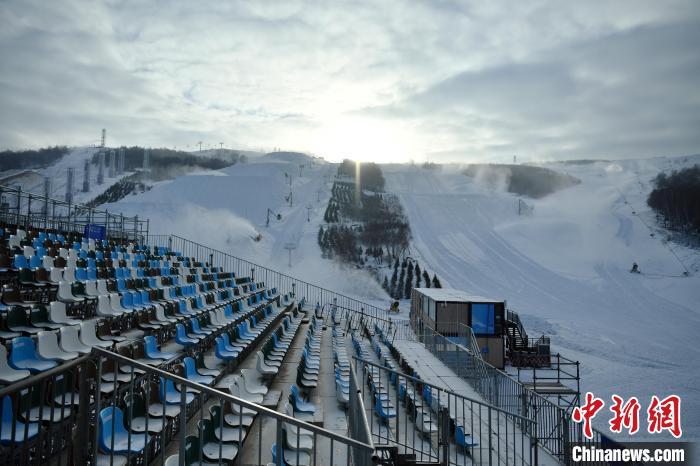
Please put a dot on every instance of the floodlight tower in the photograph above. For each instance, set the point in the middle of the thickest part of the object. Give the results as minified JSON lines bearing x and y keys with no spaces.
{"x":112,"y":164}
{"x":47,"y":193}
{"x":69,"y":185}
{"x":101,"y":167}
{"x":86,"y":176}
{"x":104,"y":138}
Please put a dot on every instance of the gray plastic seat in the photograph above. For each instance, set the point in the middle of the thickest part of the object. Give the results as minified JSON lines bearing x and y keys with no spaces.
{"x":8,"y":374}
{"x":70,"y":340}
{"x":47,"y":347}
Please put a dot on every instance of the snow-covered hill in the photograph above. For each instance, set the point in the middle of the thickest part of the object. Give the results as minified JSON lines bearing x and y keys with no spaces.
{"x":227,"y":208}
{"x":565,"y":268}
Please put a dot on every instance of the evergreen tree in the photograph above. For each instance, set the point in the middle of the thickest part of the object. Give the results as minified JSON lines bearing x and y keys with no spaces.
{"x":418,"y":275}
{"x":394,"y":281}
{"x":409,"y":282}
{"x":436,"y":282}
{"x":385,"y":285}
{"x":426,"y":278}
{"x":400,"y":286}
{"x":320,"y":236}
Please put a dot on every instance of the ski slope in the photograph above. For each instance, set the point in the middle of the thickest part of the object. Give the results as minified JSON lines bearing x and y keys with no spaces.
{"x":226,"y":209}
{"x":566,"y":267}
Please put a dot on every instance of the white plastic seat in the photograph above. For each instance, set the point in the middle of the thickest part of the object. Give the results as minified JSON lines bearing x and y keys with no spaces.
{"x":70,"y":340}
{"x":89,"y":337}
{"x":47,"y":347}
{"x":102,"y":287}
{"x":28,"y":251}
{"x":47,"y":262}
{"x":115,"y":301}
{"x":72,"y":254}
{"x":65,"y":293}
{"x":91,"y":288}
{"x":8,"y":374}
{"x":57,"y":314}
{"x":56,"y":274}
{"x":251,"y":380}
{"x":263,"y":367}
{"x":69,"y":274}
{"x":104,"y":308}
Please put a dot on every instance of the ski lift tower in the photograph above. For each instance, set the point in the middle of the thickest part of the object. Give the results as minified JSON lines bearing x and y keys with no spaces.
{"x":290,"y":247}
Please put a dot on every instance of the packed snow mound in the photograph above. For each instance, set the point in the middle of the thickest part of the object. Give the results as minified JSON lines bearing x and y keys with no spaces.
{"x":290,"y":157}
{"x":565,"y":267}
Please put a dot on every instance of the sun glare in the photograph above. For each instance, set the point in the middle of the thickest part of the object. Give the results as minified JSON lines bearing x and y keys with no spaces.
{"x":365,"y":140}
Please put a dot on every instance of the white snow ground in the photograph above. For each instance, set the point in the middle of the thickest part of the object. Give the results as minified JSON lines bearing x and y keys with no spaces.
{"x":565,"y":268}
{"x":226,"y":209}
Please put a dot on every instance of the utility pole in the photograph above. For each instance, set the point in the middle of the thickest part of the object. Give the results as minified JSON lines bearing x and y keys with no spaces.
{"x":301,"y":167}
{"x":318,"y":195}
{"x":200,"y":146}
{"x":308,"y":212}
{"x":221,"y":145}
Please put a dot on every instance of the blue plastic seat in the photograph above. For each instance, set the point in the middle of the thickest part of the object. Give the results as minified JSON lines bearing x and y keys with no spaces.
{"x":170,"y":395}
{"x":222,"y":352}
{"x":384,"y":412}
{"x":24,"y":356}
{"x":151,"y":349}
{"x":20,"y":262}
{"x":300,"y":403}
{"x":182,"y":338}
{"x":8,"y":420}
{"x":35,"y":262}
{"x":464,"y":440}
{"x":192,"y":374}
{"x":113,"y":436}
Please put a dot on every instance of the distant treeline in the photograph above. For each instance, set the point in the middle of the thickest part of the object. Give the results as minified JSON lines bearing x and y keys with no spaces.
{"x":167,"y":158}
{"x":525,"y":180}
{"x":676,"y":198}
{"x":119,"y":190}
{"x":371,"y":177}
{"x":25,"y":159}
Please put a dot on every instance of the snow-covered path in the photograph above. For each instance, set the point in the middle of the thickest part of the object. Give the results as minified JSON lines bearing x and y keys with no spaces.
{"x":565,"y":269}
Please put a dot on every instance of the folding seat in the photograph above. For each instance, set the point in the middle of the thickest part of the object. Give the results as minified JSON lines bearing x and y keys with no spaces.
{"x":223,"y":352}
{"x":11,"y":297}
{"x":223,"y":431}
{"x":182,"y":338}
{"x":20,"y":262}
{"x":70,"y":340}
{"x":300,"y":403}
{"x":152,"y":352}
{"x":9,"y":374}
{"x":113,"y":436}
{"x":203,"y":369}
{"x":104,"y":308}
{"x":212,"y":448}
{"x":65,"y":293}
{"x":89,"y":337}
{"x":238,"y":389}
{"x":47,"y":347}
{"x":264,"y":367}
{"x":342,"y":393}
{"x":251,"y":381}
{"x":296,"y":438}
{"x":290,"y":457}
{"x":17,"y":320}
{"x":115,"y":302}
{"x":23,"y":355}
{"x":170,"y":394}
{"x":463,"y":439}
{"x":9,"y":423}
{"x":191,"y":373}
{"x":137,"y":418}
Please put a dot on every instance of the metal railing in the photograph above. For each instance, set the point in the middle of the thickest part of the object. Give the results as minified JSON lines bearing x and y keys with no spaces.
{"x":444,"y":427}
{"x":29,"y":210}
{"x":311,"y":293}
{"x":556,"y":431}
{"x":358,"y":427}
{"x":193,"y":424}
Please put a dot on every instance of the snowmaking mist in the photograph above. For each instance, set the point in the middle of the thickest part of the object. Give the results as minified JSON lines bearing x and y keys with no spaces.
{"x":525,"y":180}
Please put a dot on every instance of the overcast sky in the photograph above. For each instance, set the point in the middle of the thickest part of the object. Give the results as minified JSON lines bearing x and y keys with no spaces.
{"x":386,"y":80}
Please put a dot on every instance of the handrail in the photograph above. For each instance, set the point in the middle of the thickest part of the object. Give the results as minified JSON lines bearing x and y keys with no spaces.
{"x":369,"y":309}
{"x":37,"y":378}
{"x":234,"y":399}
{"x":445,"y":390}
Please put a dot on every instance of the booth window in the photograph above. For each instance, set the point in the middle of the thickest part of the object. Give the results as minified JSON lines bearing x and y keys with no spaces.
{"x":483,"y":319}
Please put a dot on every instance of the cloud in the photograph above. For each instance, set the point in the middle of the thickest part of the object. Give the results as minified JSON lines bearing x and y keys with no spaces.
{"x":466,"y":80}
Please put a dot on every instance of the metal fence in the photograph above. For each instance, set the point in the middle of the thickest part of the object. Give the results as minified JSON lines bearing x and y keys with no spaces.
{"x":80,"y":433}
{"x":556,"y":431}
{"x":443,"y":427}
{"x":310,"y":292}
{"x":28,"y":210}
